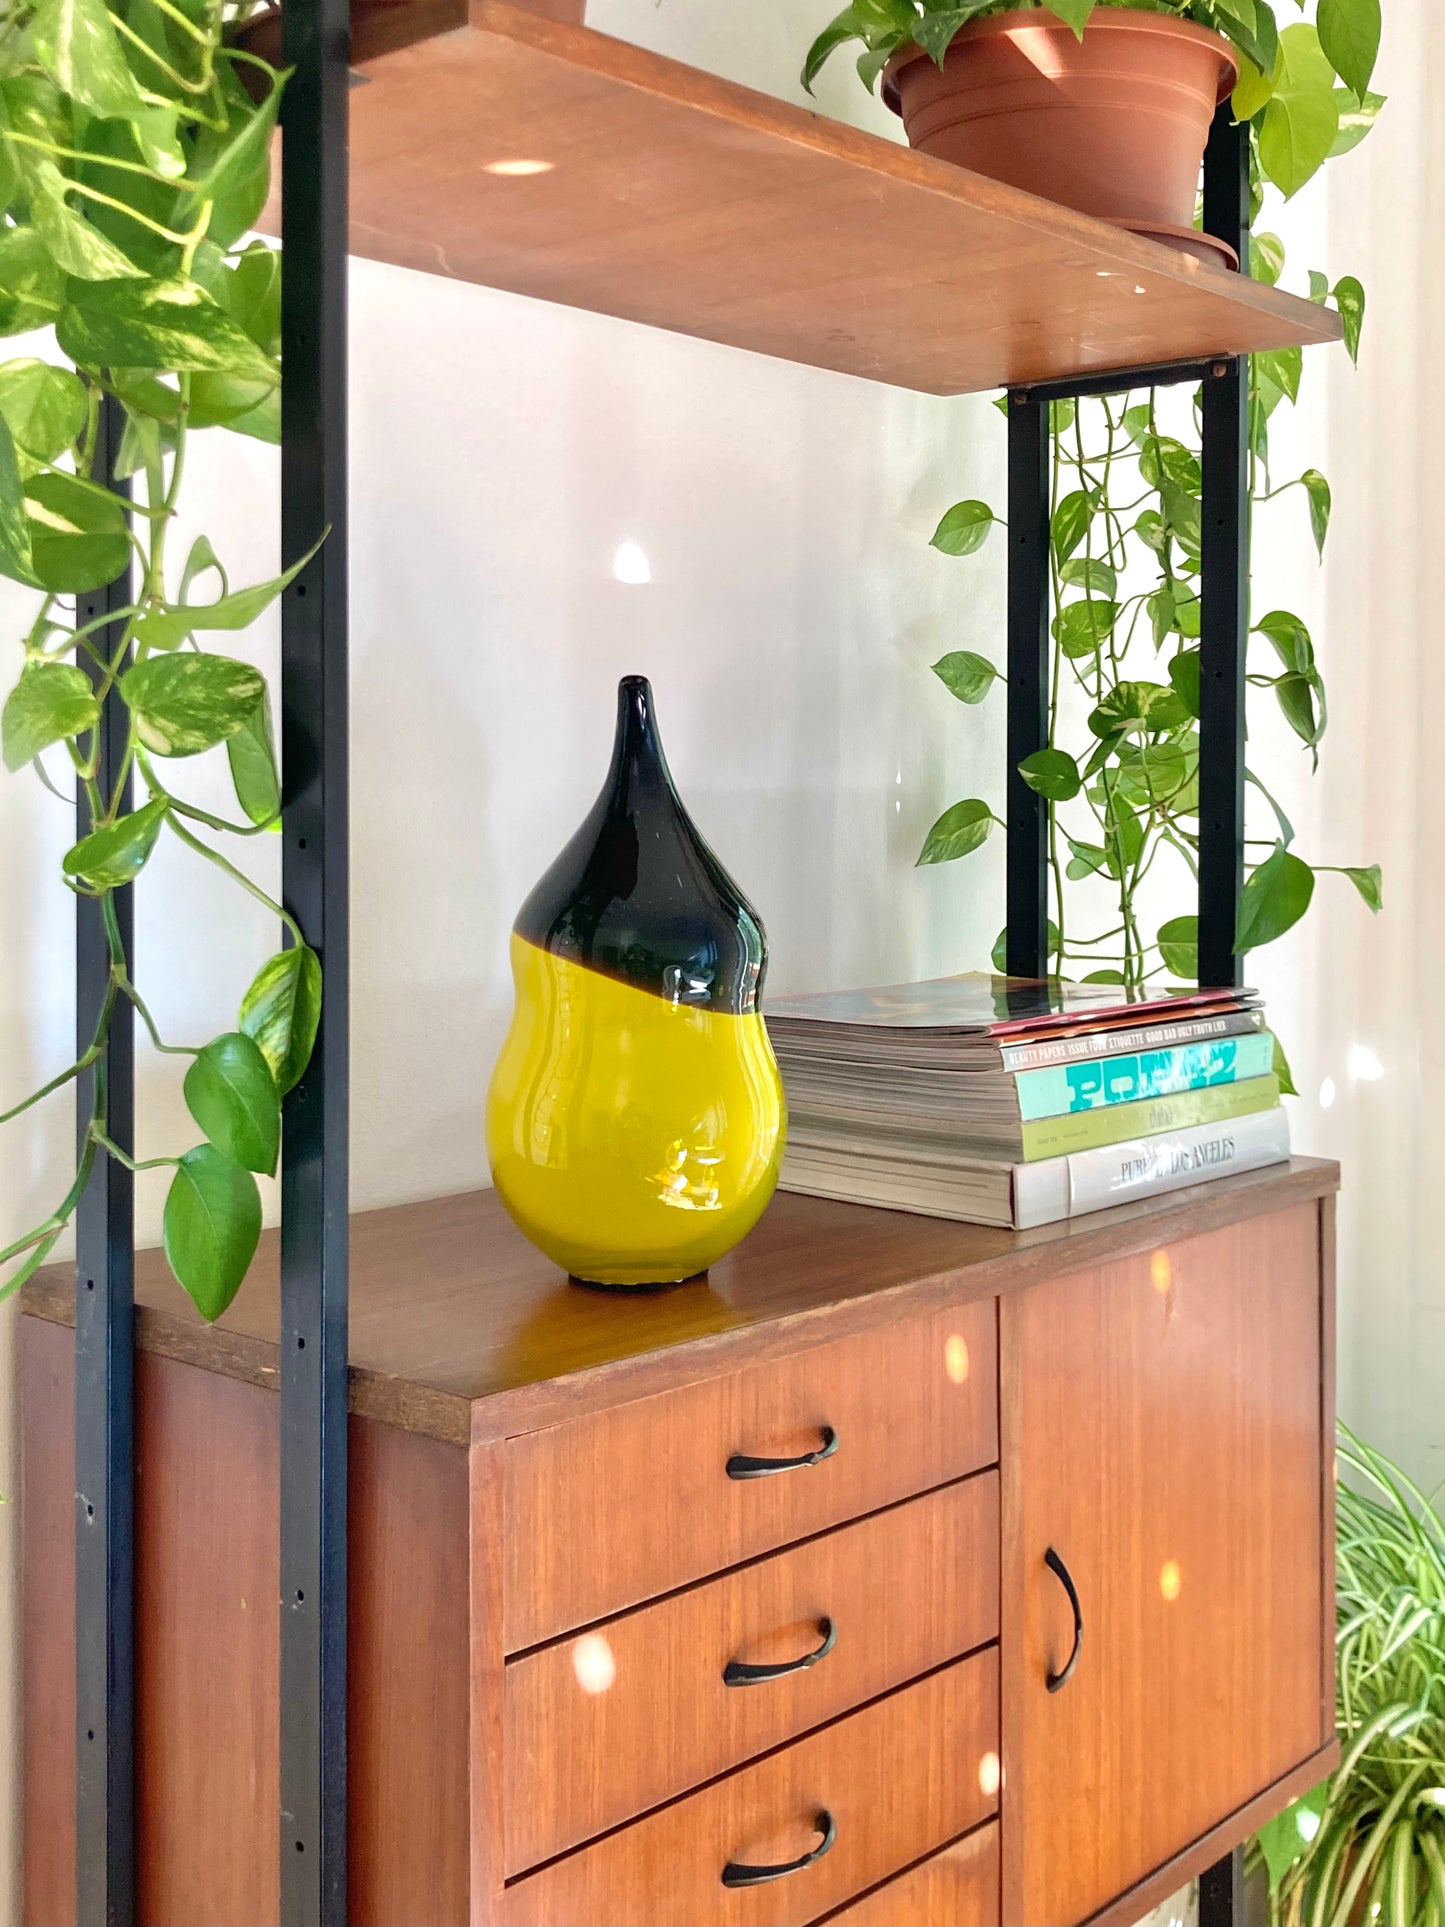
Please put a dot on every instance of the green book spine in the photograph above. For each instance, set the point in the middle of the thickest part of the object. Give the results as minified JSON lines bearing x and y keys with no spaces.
{"x":1130,"y":1077}
{"x":1054,"y":1137}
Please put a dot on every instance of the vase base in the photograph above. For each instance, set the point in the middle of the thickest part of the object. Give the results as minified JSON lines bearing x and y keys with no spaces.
{"x":627,"y":1291}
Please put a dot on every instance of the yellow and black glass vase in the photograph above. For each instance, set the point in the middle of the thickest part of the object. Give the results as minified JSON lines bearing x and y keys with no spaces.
{"x":635,"y":1119}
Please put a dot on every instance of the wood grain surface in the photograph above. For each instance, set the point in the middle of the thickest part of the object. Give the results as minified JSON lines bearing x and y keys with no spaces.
{"x":207,"y":1637}
{"x":450,"y":1304}
{"x":618,"y":1506}
{"x":899,"y":1778}
{"x":955,"y":1888}
{"x":47,"y":1604}
{"x":604,"y":1726}
{"x":684,"y":201}
{"x":1166,"y":1441}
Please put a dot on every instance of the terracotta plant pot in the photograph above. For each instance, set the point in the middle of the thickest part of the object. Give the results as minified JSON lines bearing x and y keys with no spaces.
{"x":1113,"y":125}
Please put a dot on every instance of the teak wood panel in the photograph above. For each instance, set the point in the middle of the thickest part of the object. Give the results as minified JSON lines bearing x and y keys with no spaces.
{"x":955,"y":1888}
{"x":689,"y":203}
{"x":462,"y":1330}
{"x":621,"y":1505}
{"x":899,"y":1778}
{"x":1165,"y":1438}
{"x":207,"y":1618}
{"x":605,"y":1726}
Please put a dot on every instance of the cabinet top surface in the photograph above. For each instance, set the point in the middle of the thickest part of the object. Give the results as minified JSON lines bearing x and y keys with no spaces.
{"x":459,"y":1328}
{"x":664,"y":195}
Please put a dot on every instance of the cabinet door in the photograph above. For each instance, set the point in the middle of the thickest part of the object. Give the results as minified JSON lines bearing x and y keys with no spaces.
{"x":1164,"y":1424}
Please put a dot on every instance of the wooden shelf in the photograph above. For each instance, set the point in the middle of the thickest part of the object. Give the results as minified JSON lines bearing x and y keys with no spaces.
{"x":450,"y":1304}
{"x":688,"y":203}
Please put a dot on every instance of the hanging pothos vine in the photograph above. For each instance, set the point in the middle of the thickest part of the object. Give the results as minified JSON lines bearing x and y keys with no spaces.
{"x":134,"y":163}
{"x":1121,"y":770}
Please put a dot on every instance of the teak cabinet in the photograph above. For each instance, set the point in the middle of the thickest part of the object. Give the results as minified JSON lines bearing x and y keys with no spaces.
{"x":748,"y":1603}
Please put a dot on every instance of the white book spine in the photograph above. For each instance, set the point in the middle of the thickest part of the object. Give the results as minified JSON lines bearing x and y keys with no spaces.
{"x":1068,"y":1187}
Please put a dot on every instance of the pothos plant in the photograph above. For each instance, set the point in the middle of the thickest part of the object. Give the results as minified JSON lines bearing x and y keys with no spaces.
{"x":1121,"y":770}
{"x":133,"y":165}
{"x":1288,"y":79}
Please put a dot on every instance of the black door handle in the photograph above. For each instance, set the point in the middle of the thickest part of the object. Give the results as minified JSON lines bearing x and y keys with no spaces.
{"x":1061,"y":1572}
{"x":741,"y":1466}
{"x":738,"y":1874}
{"x":736,"y":1673}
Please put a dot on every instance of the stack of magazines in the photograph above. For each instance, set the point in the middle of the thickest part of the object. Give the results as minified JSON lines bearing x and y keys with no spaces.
{"x":1009,"y":1102}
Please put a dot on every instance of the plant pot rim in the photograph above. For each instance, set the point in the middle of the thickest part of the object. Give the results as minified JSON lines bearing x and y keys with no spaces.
{"x":1106,"y":18}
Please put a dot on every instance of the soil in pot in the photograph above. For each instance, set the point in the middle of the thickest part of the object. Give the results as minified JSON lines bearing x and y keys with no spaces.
{"x":1114,"y":125}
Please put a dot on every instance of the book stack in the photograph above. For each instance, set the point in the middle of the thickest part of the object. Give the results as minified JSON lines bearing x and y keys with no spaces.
{"x":1009,"y":1102}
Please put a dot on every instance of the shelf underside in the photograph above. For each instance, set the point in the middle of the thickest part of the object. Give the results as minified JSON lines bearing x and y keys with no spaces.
{"x":688,"y":203}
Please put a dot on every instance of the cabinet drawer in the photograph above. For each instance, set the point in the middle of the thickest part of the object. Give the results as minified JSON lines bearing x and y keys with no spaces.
{"x":613,"y":1723}
{"x":956,"y":1888}
{"x":896,"y":1779}
{"x":615,"y":1507}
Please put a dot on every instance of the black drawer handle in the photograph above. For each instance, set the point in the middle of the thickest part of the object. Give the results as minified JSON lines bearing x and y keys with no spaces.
{"x":740,"y":1466}
{"x":738,"y":1874}
{"x":1061,"y":1572}
{"x":736,"y":1673}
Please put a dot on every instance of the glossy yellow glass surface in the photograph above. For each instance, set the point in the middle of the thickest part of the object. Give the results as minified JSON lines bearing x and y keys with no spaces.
{"x":633,"y":1139}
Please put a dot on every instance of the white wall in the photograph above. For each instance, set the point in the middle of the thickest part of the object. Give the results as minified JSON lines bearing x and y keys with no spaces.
{"x":501,"y":452}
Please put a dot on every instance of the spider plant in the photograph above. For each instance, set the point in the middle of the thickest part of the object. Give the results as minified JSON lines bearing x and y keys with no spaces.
{"x":1369,"y":1844}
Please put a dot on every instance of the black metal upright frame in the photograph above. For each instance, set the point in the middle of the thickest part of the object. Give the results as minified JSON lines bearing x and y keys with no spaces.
{"x":314,"y":1179}
{"x":313,"y":1511}
{"x":104,"y":1351}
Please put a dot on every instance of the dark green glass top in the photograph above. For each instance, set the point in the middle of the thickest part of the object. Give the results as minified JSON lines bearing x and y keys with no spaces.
{"x":638,"y":895}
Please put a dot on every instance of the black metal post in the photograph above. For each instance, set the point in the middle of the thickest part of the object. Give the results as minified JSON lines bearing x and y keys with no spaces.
{"x":104,"y":1372}
{"x":1026,"y":942}
{"x":1224,"y":587}
{"x":314,"y":886}
{"x":1221,"y":1892}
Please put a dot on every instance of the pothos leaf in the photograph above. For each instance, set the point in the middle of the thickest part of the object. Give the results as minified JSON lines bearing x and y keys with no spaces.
{"x":1052,"y":773}
{"x":51,"y":701}
{"x":157,"y":324}
{"x":1369,"y":884}
{"x":967,"y":676}
{"x":964,"y":528}
{"x":1302,"y":118}
{"x":1349,"y":298}
{"x":76,"y":43}
{"x":232,"y":1095}
{"x":958,"y":832}
{"x":183,"y":704}
{"x":116,"y":854}
{"x":1073,"y":13}
{"x":1274,"y":899}
{"x":44,"y":407}
{"x":77,"y":533}
{"x":282,"y":1010}
{"x":212,"y":1227}
{"x":1350,"y":36}
{"x":1318,"y":490}
{"x":16,"y":557}
{"x":252,"y":752}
